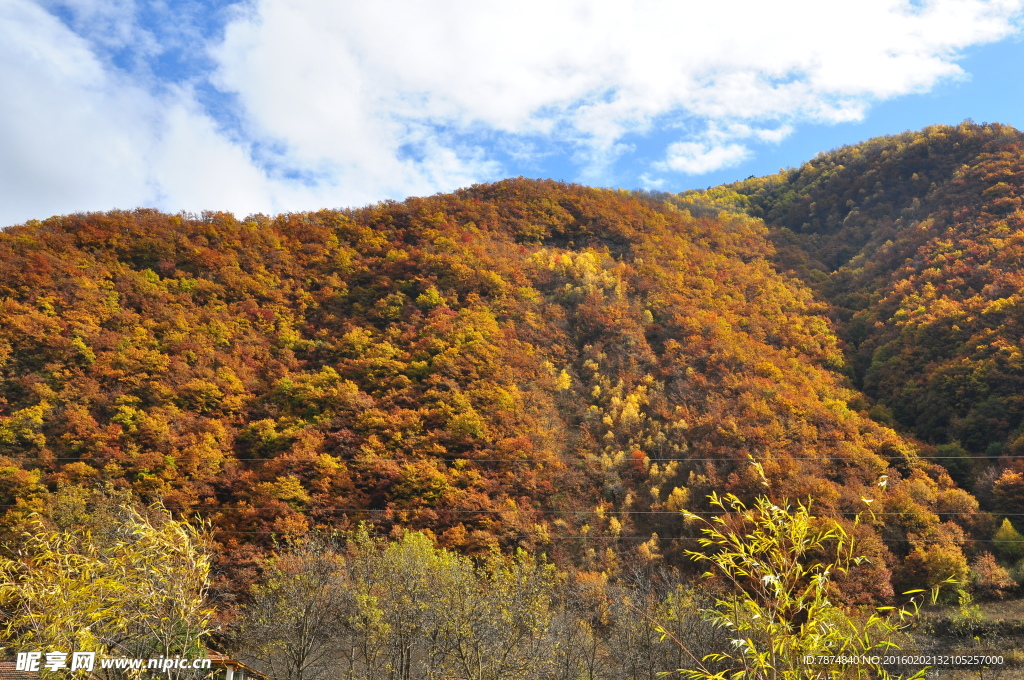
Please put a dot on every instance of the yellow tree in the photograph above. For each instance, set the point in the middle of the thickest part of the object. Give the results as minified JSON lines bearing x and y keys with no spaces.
{"x":136,"y":589}
{"x":776,"y":562}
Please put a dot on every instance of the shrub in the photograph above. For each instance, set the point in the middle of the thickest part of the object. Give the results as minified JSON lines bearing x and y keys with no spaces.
{"x":776,"y":563}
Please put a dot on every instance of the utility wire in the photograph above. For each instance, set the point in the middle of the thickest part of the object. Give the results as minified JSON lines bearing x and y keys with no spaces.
{"x":528,"y":460}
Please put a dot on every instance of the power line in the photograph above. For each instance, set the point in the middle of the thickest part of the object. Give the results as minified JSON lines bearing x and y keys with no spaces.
{"x":543,"y":511}
{"x":644,"y":538}
{"x":541,"y":460}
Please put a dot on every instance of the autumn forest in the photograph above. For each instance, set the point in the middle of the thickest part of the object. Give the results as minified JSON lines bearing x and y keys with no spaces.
{"x":485,"y":432}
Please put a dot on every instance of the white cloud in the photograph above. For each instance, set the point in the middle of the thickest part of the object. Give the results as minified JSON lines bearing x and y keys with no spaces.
{"x":651,"y":183}
{"x":717,"y":148}
{"x":66,"y":125}
{"x":76,"y":135}
{"x":341,"y":103}
{"x":695,"y":158}
{"x":111,"y":22}
{"x":345,"y":82}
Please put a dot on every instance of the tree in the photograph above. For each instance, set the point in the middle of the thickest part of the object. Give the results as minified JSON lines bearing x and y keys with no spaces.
{"x":137,"y":588}
{"x":776,"y":563}
{"x":401,"y":609}
{"x":991,"y":579}
{"x":498,"y":629}
{"x":292,"y":622}
{"x":412,"y":586}
{"x":1008,"y":541}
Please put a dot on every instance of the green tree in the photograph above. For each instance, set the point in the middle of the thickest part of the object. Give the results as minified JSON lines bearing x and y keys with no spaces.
{"x":777,"y":562}
{"x":1008,"y":541}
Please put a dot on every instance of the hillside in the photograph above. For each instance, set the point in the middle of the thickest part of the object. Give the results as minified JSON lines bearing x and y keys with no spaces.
{"x":916,"y":241}
{"x":523,"y":364}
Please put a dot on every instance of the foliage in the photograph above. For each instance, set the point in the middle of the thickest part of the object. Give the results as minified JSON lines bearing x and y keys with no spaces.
{"x":776,"y":563}
{"x":915,"y":239}
{"x":990,"y":579}
{"x":404,"y":608}
{"x":968,"y":618}
{"x":1008,"y":541}
{"x":517,"y":365}
{"x":288,"y":620}
{"x":135,"y":588}
{"x":534,"y":366}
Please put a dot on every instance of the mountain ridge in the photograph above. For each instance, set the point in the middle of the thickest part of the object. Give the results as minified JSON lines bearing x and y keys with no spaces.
{"x":521,"y":364}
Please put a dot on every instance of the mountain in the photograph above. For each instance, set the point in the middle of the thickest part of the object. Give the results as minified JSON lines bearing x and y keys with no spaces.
{"x":522,"y":364}
{"x":915,"y":242}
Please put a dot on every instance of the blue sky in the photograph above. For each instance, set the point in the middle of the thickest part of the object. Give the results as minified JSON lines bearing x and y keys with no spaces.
{"x":279,"y":105}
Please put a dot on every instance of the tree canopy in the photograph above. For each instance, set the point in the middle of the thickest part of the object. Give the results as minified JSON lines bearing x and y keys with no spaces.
{"x":525,"y":364}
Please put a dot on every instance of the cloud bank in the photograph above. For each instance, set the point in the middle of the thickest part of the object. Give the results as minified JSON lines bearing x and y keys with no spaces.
{"x":276,"y":105}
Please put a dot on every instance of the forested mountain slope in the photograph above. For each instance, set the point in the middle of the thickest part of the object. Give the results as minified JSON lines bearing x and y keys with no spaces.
{"x":917,"y":242}
{"x":518,"y":364}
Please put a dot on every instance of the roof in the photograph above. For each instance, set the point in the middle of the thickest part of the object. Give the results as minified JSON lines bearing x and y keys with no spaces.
{"x":223,"y":660}
{"x":7,"y":672}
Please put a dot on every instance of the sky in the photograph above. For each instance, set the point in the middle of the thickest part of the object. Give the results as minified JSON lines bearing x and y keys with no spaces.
{"x":269,"y":106}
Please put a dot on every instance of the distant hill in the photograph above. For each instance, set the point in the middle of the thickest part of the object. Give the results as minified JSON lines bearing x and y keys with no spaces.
{"x":915,"y":240}
{"x":521,"y":364}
